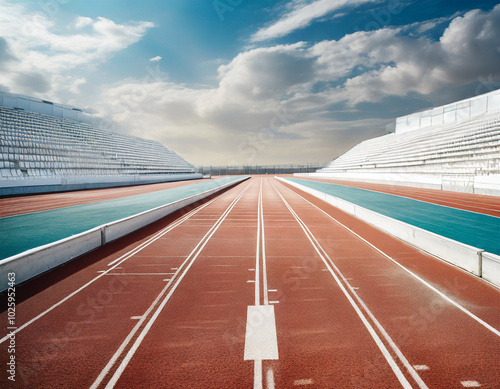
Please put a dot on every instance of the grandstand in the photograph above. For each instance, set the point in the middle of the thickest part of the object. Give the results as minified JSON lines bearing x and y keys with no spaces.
{"x":48,"y":147}
{"x":453,"y":147}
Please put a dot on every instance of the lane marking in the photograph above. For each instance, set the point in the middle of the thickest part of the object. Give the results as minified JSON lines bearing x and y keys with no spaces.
{"x":261,"y":341}
{"x":251,"y":281}
{"x":167,"y":279}
{"x":183,"y":269}
{"x":263,"y":246}
{"x":303,"y":382}
{"x":421,"y":367}
{"x":257,"y":374}
{"x":390,"y":360}
{"x":136,"y":318}
{"x":274,"y":302}
{"x":270,"y":378}
{"x":272,"y":290}
{"x":125,"y":257}
{"x":464,"y":310}
{"x":470,"y":384}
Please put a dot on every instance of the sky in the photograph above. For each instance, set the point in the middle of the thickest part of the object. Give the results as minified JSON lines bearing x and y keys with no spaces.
{"x":233,"y":82}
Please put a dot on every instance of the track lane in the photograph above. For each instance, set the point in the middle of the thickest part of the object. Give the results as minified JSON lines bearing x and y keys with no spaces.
{"x":434,"y":334}
{"x":322,"y":335}
{"x":197,"y":338}
{"x":112,"y":302}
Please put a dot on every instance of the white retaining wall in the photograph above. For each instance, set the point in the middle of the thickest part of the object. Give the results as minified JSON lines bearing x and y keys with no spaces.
{"x":36,"y":261}
{"x":470,"y":258}
{"x":485,"y":185}
{"x":61,"y":183}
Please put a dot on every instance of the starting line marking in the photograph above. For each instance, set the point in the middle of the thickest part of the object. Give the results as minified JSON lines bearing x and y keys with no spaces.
{"x":261,"y":341}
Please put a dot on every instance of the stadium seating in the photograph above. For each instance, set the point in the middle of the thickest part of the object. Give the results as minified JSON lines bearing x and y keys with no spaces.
{"x":453,"y":147}
{"x":470,"y":147}
{"x":37,"y":148}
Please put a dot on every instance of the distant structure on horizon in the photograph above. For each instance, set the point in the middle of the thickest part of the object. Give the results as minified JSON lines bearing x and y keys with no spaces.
{"x":48,"y":147}
{"x":454,"y":147}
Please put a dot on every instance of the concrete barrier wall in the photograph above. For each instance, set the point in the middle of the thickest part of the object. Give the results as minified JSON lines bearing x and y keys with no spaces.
{"x":472,"y":259}
{"x":491,"y":268}
{"x":37,"y":261}
{"x":41,"y":259}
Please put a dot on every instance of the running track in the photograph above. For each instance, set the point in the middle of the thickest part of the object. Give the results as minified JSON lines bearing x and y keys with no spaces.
{"x":167,"y":306}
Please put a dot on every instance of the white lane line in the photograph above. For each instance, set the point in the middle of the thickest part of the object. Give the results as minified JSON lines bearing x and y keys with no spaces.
{"x":263,"y":245}
{"x":390,"y":360}
{"x":421,"y":367}
{"x":257,"y":253}
{"x":470,"y":384}
{"x":272,"y":290}
{"x":184,"y":268}
{"x":136,"y":318}
{"x":464,"y":310}
{"x":251,"y":281}
{"x":274,"y":302}
{"x":167,"y":279}
{"x":122,"y":259}
{"x":139,"y":274}
{"x":257,"y":374}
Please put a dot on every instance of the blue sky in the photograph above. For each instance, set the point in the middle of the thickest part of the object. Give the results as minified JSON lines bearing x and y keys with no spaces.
{"x":250,"y":81}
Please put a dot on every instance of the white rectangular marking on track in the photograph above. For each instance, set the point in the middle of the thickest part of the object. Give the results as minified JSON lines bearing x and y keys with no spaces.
{"x":136,"y":317}
{"x":274,"y":302}
{"x":272,"y":290}
{"x":470,"y":384}
{"x":250,"y":281}
{"x":421,"y":367}
{"x":303,"y":382}
{"x":166,"y":279}
{"x":261,"y":341}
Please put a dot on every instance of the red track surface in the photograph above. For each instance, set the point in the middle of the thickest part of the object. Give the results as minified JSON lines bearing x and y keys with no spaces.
{"x":346,"y":314}
{"x":489,"y":205}
{"x":18,"y":205}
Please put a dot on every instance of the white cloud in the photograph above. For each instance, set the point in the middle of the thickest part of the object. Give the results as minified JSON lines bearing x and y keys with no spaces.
{"x":302,"y":15}
{"x":45,"y":60}
{"x":155,"y":59}
{"x":82,"y":21}
{"x":232,"y":121}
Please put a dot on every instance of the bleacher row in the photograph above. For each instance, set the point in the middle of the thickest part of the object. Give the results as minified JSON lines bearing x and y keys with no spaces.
{"x":35,"y":145}
{"x":471,"y":147}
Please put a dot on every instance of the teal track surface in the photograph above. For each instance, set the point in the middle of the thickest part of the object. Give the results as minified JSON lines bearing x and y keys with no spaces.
{"x":24,"y":232}
{"x":475,"y":229}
